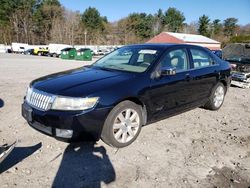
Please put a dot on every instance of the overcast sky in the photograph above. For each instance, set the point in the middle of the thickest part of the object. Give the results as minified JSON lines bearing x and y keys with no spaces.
{"x":192,"y":9}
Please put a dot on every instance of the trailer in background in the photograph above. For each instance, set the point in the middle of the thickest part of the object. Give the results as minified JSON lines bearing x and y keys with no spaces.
{"x":19,"y":47}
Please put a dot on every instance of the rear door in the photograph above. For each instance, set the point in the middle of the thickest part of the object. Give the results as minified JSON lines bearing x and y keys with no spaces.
{"x":204,"y":73}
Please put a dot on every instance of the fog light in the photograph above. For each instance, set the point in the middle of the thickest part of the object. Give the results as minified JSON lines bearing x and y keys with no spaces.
{"x":64,"y":133}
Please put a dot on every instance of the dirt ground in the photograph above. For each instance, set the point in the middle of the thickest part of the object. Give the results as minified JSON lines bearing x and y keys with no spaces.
{"x":198,"y":148}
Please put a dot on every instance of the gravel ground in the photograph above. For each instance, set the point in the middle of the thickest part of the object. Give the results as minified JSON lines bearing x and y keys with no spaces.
{"x":198,"y":148}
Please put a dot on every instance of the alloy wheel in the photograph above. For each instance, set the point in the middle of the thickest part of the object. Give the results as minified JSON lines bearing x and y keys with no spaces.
{"x":126,"y":125}
{"x":219,"y":96}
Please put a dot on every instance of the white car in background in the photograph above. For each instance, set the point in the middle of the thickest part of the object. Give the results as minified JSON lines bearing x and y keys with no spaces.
{"x":55,"y":49}
{"x":3,"y":49}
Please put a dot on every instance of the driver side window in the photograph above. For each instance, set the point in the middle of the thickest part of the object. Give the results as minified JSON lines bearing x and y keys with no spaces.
{"x":177,"y":59}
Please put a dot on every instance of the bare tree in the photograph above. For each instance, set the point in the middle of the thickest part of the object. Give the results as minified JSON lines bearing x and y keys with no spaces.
{"x":191,"y":28}
{"x":66,"y":29}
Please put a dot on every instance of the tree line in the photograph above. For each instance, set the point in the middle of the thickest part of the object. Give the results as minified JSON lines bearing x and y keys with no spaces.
{"x":47,"y":21}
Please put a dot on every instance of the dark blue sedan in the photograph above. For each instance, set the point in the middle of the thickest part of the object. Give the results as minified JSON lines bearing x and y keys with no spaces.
{"x":126,"y":89}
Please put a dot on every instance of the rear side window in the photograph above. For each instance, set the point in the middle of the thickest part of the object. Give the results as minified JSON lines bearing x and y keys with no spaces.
{"x":201,"y":58}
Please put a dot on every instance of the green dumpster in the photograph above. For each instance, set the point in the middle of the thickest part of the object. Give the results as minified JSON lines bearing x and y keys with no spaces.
{"x":84,"y":54}
{"x":68,"y":53}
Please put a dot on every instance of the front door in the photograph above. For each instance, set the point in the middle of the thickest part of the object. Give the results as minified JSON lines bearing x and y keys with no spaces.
{"x":167,"y":93}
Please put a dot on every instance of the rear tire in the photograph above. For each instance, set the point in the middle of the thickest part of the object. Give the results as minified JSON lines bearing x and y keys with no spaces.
{"x":217,"y":97}
{"x":122,"y":125}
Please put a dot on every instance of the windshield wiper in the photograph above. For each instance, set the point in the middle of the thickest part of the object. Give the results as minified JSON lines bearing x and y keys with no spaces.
{"x":103,"y":68}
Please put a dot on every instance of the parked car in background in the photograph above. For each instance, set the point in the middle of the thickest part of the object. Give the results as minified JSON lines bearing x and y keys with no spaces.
{"x":9,"y":51}
{"x":239,"y":57}
{"x":55,"y":49}
{"x":125,"y":90}
{"x":218,"y":53}
{"x":3,"y":48}
{"x":29,"y":52}
{"x":41,"y":51}
{"x":100,"y":52}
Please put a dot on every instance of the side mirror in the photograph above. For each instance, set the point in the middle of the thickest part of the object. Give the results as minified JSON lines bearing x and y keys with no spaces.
{"x":165,"y":71}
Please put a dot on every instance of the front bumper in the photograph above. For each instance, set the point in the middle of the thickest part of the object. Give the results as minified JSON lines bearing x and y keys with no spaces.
{"x":67,"y":125}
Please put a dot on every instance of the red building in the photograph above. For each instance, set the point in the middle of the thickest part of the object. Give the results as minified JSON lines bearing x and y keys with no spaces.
{"x":182,"y":38}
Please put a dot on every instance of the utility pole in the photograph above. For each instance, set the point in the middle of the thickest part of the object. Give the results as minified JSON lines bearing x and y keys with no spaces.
{"x":85,"y":37}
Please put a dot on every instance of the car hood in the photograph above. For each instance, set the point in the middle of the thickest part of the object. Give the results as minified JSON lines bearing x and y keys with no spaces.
{"x":79,"y":82}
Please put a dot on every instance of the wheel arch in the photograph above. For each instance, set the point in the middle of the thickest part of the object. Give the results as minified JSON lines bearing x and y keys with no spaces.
{"x":225,"y":83}
{"x":140,"y":103}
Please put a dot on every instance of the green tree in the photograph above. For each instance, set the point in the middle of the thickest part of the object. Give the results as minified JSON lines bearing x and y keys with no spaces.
{"x":43,"y":17}
{"x":94,"y":23}
{"x":174,"y":20}
{"x":204,"y":25}
{"x":92,"y":19}
{"x":44,"y":21}
{"x":121,"y":31}
{"x":22,"y":20}
{"x":140,"y":24}
{"x":230,"y":26}
{"x":6,"y":9}
{"x":6,"y":32}
{"x":217,"y":27}
{"x":15,"y":20}
{"x":240,"y":39}
{"x":145,"y":26}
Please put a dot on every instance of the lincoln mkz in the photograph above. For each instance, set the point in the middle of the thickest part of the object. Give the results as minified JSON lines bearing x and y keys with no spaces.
{"x":128,"y":88}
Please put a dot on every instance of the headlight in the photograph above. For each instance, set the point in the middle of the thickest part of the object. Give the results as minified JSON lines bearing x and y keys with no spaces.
{"x":68,"y":103}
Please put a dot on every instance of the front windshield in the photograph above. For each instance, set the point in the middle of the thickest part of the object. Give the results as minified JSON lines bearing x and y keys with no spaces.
{"x":130,"y":59}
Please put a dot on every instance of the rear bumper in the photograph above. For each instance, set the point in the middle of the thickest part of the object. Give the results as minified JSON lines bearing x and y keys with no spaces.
{"x":241,"y":84}
{"x":241,"y":79}
{"x":67,"y":125}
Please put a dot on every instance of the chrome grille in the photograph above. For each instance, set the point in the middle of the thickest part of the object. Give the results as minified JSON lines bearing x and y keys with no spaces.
{"x":38,"y":99}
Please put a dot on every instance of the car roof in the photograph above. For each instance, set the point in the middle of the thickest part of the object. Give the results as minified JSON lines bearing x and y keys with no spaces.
{"x":162,"y":45}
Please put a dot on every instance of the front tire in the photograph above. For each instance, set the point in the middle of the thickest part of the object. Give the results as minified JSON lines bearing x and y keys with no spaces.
{"x":217,"y":97}
{"x":122,"y":125}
